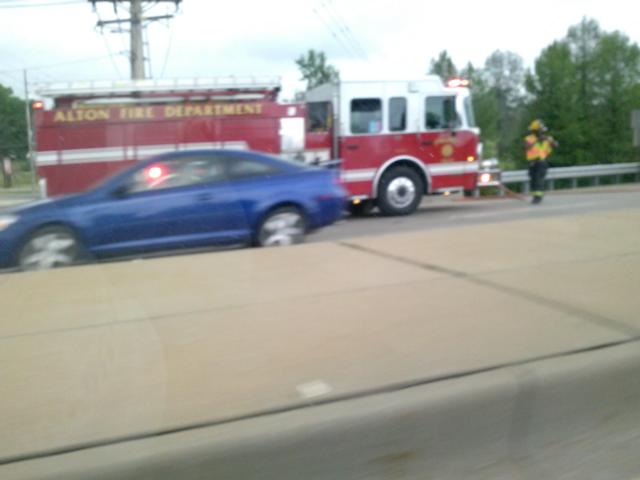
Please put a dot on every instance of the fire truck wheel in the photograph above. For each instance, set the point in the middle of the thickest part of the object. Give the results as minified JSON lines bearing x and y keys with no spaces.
{"x":50,"y":247}
{"x":400,"y":191}
{"x":282,"y":226}
{"x":361,"y":209}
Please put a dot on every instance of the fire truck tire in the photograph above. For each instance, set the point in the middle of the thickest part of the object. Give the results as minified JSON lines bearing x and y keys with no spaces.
{"x":362,"y":209}
{"x":50,"y":247}
{"x":282,"y":226}
{"x":400,"y":191}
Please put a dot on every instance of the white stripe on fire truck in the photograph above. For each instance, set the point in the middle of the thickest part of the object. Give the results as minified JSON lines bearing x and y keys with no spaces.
{"x":115,"y":154}
{"x":441,"y":169}
{"x":78,"y":156}
{"x":361,"y":175}
{"x":454,"y":168}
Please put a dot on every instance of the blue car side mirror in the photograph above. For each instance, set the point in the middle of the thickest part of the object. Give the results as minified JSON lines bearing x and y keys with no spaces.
{"x":121,"y":191}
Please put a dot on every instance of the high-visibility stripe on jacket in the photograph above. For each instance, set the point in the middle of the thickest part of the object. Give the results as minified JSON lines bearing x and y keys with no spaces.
{"x":537,"y":149}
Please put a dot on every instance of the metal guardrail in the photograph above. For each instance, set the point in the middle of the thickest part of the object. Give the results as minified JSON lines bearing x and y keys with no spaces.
{"x":574,"y":173}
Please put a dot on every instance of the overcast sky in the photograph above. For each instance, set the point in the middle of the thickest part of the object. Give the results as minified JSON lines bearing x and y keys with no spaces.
{"x":363,"y":38}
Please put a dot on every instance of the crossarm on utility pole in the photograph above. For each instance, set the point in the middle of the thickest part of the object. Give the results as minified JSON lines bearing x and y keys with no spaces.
{"x":137,"y":21}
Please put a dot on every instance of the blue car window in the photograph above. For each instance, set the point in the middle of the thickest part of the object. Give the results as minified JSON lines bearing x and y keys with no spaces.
{"x":239,"y":168}
{"x":178,"y":172}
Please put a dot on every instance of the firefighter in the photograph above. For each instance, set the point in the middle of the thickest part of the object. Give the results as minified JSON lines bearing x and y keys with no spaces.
{"x":539,"y":146}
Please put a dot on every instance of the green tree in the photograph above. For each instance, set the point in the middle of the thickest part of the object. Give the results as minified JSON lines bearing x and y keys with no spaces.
{"x":584,"y":87}
{"x":555,"y":99}
{"x":13,"y":125}
{"x":504,"y":76}
{"x":315,"y":69}
{"x":582,"y":39}
{"x":504,"y":71}
{"x":616,"y":75}
{"x":485,"y":107}
{"x":443,"y":66}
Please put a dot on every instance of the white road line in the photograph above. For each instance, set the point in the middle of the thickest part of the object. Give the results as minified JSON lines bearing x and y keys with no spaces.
{"x":314,"y":388}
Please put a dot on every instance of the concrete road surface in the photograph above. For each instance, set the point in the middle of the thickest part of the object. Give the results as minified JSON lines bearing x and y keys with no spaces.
{"x":110,"y":365}
{"x":455,"y":211}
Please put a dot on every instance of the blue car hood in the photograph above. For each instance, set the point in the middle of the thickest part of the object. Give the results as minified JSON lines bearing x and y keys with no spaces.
{"x":39,"y":206}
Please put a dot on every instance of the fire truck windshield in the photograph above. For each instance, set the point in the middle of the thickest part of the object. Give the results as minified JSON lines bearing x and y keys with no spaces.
{"x":440,"y":113}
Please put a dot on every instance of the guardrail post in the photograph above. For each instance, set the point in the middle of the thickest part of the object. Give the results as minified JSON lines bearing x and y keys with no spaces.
{"x":525,"y":188}
{"x":596,"y":181}
{"x":574,"y":183}
{"x":550,"y":185}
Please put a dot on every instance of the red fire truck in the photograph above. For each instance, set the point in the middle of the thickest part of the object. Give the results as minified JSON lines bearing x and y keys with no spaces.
{"x":395,"y":141}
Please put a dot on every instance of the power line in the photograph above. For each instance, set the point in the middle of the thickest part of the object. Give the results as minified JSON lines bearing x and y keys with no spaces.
{"x":33,"y":5}
{"x":343,"y":27}
{"x":52,"y":65}
{"x":11,"y":76}
{"x":167,"y":52}
{"x":106,"y":44}
{"x":137,"y":21}
{"x":333,"y":34}
{"x":15,"y":78}
{"x":145,"y":42}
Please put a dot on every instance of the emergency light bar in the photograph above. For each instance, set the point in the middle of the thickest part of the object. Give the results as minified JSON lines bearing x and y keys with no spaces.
{"x":123,"y":87}
{"x":457,"y":82}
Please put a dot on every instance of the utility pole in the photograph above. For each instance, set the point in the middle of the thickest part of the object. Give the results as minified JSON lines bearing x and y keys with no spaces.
{"x":137,"y":21}
{"x":137,"y":54}
{"x":30,"y":158}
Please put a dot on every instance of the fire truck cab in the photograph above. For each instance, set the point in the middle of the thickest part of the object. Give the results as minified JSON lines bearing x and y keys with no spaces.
{"x":397,"y":140}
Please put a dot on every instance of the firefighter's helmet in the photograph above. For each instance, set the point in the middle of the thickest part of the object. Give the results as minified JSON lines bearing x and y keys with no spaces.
{"x":537,"y":126}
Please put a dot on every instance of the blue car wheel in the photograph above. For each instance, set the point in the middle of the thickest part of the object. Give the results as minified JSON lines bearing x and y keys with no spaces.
{"x":283,"y":226}
{"x":50,"y":247}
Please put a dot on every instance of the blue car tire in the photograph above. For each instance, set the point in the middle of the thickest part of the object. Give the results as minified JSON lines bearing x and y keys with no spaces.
{"x":282,"y":226}
{"x":50,"y":247}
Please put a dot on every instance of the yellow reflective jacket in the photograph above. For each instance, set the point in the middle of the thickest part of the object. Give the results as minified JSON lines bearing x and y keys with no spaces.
{"x":538,"y":148}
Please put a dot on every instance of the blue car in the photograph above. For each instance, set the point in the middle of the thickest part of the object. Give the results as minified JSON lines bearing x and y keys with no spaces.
{"x":178,"y":200}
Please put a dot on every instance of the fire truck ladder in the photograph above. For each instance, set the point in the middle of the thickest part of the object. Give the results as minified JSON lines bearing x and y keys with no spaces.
{"x":100,"y":88}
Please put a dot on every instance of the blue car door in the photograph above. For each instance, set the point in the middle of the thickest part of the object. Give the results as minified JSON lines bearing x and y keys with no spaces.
{"x":186,"y":201}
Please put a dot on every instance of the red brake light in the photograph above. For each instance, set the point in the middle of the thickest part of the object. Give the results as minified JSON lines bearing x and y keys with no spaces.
{"x":37,"y":105}
{"x":154,"y":172}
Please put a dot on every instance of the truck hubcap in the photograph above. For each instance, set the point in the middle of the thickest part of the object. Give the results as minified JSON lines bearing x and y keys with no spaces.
{"x":401,"y":192}
{"x":48,"y":251}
